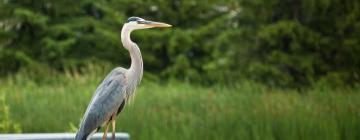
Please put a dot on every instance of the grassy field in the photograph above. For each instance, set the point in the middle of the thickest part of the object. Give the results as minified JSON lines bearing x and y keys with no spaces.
{"x":43,"y":102}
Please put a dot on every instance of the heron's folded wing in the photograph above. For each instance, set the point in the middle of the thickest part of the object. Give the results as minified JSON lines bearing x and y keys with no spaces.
{"x":108,"y":98}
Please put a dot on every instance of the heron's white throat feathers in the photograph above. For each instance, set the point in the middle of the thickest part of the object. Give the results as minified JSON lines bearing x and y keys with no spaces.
{"x":125,"y":36}
{"x":135,"y":72}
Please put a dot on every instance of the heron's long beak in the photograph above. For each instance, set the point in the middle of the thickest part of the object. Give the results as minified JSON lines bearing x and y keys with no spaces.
{"x":154,"y":24}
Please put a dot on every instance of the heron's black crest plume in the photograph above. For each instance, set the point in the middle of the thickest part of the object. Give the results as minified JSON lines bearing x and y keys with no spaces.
{"x":134,"y":19}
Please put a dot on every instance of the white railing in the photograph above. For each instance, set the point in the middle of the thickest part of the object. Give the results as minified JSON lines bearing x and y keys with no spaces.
{"x":58,"y":136}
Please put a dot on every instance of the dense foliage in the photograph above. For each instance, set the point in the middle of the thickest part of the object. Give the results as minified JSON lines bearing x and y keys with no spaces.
{"x":297,"y":42}
{"x":283,"y":43}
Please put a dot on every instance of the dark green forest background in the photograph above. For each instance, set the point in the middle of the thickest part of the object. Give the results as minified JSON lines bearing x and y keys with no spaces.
{"x":292,"y":43}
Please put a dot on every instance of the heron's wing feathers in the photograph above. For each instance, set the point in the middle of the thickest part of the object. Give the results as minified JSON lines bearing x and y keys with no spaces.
{"x":107,"y":99}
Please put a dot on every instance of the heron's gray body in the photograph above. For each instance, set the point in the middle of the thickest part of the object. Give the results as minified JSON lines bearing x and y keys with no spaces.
{"x":112,"y":94}
{"x":107,"y":99}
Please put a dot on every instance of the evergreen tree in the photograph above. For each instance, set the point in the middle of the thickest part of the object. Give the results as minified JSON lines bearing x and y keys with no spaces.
{"x":298,"y":42}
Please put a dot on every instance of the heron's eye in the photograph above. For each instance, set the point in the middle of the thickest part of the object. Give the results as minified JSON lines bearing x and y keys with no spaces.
{"x":140,"y":22}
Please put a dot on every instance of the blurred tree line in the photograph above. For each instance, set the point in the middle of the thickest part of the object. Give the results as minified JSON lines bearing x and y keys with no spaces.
{"x":289,"y":43}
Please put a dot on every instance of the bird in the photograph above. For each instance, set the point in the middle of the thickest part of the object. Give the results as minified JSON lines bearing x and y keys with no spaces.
{"x":117,"y":87}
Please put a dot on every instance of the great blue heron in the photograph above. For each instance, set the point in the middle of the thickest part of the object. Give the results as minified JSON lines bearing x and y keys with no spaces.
{"x":111,"y":95}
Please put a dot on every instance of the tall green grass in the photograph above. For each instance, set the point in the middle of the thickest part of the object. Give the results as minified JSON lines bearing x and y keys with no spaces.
{"x":49,"y":102}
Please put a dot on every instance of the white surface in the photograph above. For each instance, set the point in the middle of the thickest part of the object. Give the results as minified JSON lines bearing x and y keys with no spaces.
{"x":58,"y":136}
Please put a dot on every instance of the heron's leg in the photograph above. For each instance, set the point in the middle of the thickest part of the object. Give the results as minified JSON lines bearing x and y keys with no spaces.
{"x":113,"y":120}
{"x":105,"y":131}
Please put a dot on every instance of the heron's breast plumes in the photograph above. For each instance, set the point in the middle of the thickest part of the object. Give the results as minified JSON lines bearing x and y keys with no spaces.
{"x":134,"y":77}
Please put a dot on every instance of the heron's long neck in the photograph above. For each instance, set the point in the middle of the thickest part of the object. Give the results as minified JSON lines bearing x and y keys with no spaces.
{"x":135,"y":71}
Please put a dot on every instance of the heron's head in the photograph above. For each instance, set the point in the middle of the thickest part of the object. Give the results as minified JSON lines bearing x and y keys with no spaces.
{"x":136,"y":23}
